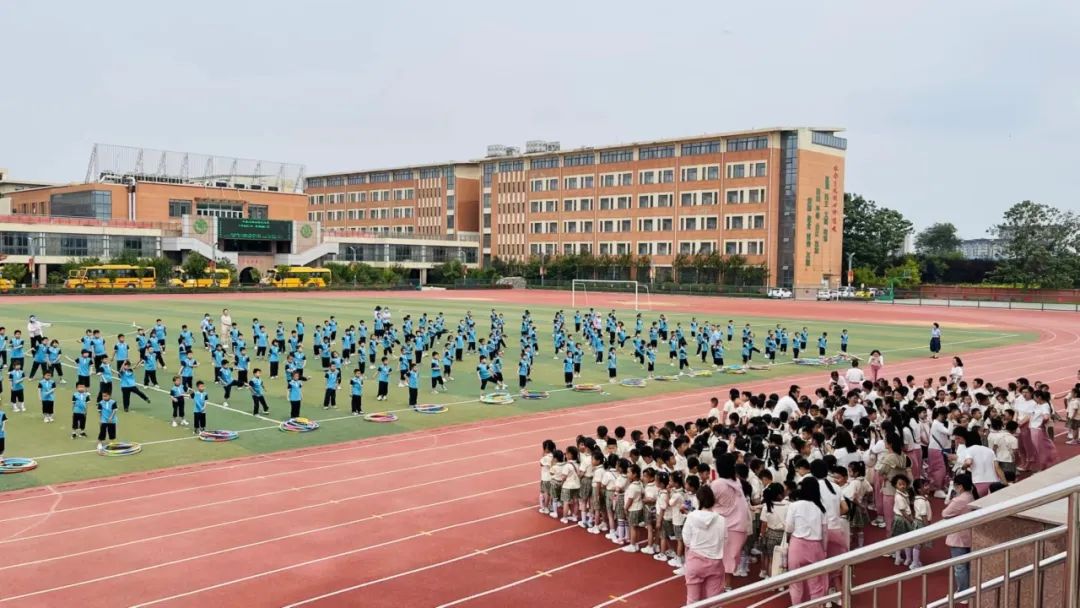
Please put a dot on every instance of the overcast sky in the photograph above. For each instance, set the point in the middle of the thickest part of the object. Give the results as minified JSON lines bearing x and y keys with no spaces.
{"x":954,"y":110}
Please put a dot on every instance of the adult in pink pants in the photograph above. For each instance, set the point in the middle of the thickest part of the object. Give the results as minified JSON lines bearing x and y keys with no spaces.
{"x":889,"y":465}
{"x":704,"y":534}
{"x":837,"y":535}
{"x":877,"y":362}
{"x":805,"y":525}
{"x":935,"y":468}
{"x":732,"y":503}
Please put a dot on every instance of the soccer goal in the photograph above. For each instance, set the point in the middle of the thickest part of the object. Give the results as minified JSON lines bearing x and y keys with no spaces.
{"x":580,"y":288}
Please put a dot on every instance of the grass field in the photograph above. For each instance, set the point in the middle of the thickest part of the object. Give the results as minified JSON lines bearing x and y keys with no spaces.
{"x":62,"y":459}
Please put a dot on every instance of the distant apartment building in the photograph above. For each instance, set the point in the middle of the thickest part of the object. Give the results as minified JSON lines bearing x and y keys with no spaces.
{"x":773,"y":196}
{"x":982,"y":249}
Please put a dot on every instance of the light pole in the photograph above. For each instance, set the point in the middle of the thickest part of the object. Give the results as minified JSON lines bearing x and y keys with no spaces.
{"x":850,"y":268}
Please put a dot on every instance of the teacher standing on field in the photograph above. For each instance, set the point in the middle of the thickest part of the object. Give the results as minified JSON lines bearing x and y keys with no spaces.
{"x":935,"y":341}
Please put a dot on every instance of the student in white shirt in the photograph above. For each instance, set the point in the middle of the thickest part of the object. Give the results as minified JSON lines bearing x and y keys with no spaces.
{"x":956,"y":374}
{"x":976,"y":459}
{"x":805,"y":525}
{"x":854,"y":375}
{"x":704,"y":533}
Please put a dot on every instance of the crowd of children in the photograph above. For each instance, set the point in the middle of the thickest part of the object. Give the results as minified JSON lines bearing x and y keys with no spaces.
{"x":814,"y":470}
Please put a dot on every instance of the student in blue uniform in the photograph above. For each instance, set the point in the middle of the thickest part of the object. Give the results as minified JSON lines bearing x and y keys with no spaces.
{"x":16,"y":376}
{"x":18,"y":350}
{"x":414,"y":384}
{"x":383,"y":377}
{"x":295,"y":393}
{"x":436,"y":373}
{"x":55,"y":366}
{"x":79,"y":400}
{"x":568,"y":370}
{"x":333,"y":382}
{"x":612,"y":366}
{"x":47,"y":392}
{"x":483,"y":372}
{"x":844,"y":337}
{"x":109,"y":419}
{"x":198,"y":407}
{"x":356,"y":392}
{"x":128,"y":386}
{"x":822,"y":343}
{"x":258,"y":393}
{"x":176,"y":394}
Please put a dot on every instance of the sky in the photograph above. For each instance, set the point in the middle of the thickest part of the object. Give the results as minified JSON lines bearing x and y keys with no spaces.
{"x":953,"y":110}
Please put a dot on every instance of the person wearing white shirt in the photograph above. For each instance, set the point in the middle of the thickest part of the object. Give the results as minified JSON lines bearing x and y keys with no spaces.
{"x":854,"y":375}
{"x":805,"y":524}
{"x":703,"y":533}
{"x":1024,"y":406}
{"x":940,"y":444}
{"x":855,"y":410}
{"x":956,"y":374}
{"x":1042,"y":412}
{"x":788,"y":403}
{"x":976,"y":459}
{"x":226,"y":325}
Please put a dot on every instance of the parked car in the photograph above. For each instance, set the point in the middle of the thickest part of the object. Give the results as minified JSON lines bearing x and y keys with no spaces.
{"x":825,"y":294}
{"x":845,"y":292}
{"x":780,"y":293}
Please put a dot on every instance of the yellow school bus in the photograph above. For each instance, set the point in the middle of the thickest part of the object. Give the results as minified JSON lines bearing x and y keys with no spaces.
{"x":217,"y":277}
{"x":296,"y":277}
{"x":6,"y":285}
{"x":112,"y":276}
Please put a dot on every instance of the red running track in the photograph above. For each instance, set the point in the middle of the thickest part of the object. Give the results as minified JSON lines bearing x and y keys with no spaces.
{"x":436,"y":518}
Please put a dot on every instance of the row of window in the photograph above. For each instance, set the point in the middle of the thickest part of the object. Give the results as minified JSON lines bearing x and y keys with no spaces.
{"x":384,"y":213}
{"x":77,"y":245}
{"x":397,"y":194}
{"x":652,"y":201}
{"x":652,"y":224}
{"x":652,"y":176}
{"x":649,"y":248}
{"x":739,"y":144}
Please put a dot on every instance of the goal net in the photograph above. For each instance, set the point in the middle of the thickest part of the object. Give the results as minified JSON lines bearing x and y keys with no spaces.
{"x":637,"y":295}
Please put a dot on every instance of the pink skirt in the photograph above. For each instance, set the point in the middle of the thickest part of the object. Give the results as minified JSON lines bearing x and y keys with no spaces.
{"x":889,"y":501}
{"x":879,"y":505}
{"x":1027,"y":450}
{"x":916,"y":462}
{"x":874,"y":371}
{"x":704,"y":577}
{"x":802,"y":552}
{"x":935,"y":468}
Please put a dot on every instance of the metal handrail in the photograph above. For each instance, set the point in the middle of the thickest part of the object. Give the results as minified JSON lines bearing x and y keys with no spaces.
{"x":999,"y":581}
{"x":843,"y":563}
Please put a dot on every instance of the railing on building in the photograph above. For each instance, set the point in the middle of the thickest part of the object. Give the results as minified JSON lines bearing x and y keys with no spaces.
{"x":167,"y":228}
{"x":469,"y":237}
{"x":852,"y":594}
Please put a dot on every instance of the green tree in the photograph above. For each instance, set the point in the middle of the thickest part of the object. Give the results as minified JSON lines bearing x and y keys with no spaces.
{"x":905,"y":273}
{"x":195,"y":266}
{"x":938,"y":240}
{"x":872,"y":233}
{"x":14,"y":272}
{"x":1041,"y":246}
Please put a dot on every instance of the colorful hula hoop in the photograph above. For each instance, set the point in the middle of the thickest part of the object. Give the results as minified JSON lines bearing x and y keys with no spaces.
{"x":666,"y":378}
{"x":634,"y":382}
{"x":17,"y":465}
{"x":815,"y":362}
{"x":497,"y":399}
{"x":218,"y":436}
{"x":587,"y":388}
{"x":535,"y":394}
{"x":298,"y":425}
{"x":699,"y":373}
{"x":759,"y":368}
{"x":120,"y":448}
{"x":430,"y":409}
{"x":381,"y":417}
{"x":733,"y":369}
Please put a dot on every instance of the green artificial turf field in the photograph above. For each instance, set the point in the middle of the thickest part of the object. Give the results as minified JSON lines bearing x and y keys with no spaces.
{"x":61,"y":458}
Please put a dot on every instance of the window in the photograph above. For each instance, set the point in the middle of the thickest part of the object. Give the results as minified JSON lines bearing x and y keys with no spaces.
{"x":712,"y":172}
{"x":587,"y":181}
{"x":569,"y":205}
{"x":587,"y":226}
{"x":688,"y":199}
{"x":381,"y":176}
{"x":689,"y":223}
{"x":570,"y":183}
{"x":511,"y":165}
{"x":431,"y":173}
{"x":570,"y":227}
{"x":585,"y":204}
{"x":15,"y":243}
{"x":644,"y":248}
{"x":579,"y":160}
{"x":211,"y":208}
{"x":758,"y":222}
{"x":551,"y":206}
{"x":178,"y":207}
{"x":646,"y":177}
{"x":667,"y":176}
{"x":487,"y":201}
{"x":755,"y":247}
{"x":403,"y":174}
{"x":646,"y":224}
{"x":828,"y":139}
{"x":316,"y":182}
{"x":646,"y":201}
{"x":664,"y":200}
{"x":74,"y":246}
{"x":536,"y":206}
{"x":605,"y":203}
{"x":709,"y":198}
{"x":607,"y":226}
{"x":451,"y":202}
{"x":734,"y":222}
{"x":758,"y":169}
{"x":553,"y":227}
{"x":95,"y":204}
{"x":664,"y":224}
{"x":537,"y":185}
{"x":622,"y":202}
{"x":736,"y":170}
{"x":337,"y":180}
{"x":354,"y":180}
{"x":704,"y":147}
{"x":551,"y":162}
{"x":656,"y":152}
{"x":616,"y":156}
{"x":553,"y":183}
{"x":732,"y":247}
{"x":258,"y":212}
{"x":607,"y":180}
{"x":757,"y":195}
{"x":710,"y":223}
{"x":690,"y":174}
{"x":663,"y":248}
{"x":450,"y":222}
{"x":626,"y":179}
{"x":740,"y":144}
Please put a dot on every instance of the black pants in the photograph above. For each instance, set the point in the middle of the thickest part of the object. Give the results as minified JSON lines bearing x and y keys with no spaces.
{"x":274,"y":369}
{"x":150,"y":378}
{"x":795,"y":352}
{"x":83,"y":380}
{"x":178,"y":407}
{"x":186,"y":382}
{"x":260,"y":351}
{"x":568,"y":378}
{"x":228,"y":389}
{"x":457,"y":354}
{"x":97,"y":362}
{"x":242,"y":378}
{"x":329,"y":398}
{"x":57,"y":369}
{"x":383,"y":388}
{"x":35,"y":366}
{"x":126,"y":391}
{"x":200,"y":420}
{"x":361,"y":365}
{"x":78,"y":422}
{"x":3,"y":358}
{"x":107,"y":428}
{"x":484,"y":383}
{"x":412,"y":395}
{"x":256,"y":401}
{"x":47,"y":407}
{"x":436,"y":381}
{"x":821,"y":351}
{"x":357,"y":403}
{"x":294,"y":409}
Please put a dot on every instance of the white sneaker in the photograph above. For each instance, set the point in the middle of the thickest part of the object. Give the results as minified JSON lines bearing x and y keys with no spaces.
{"x":225,"y":404}
{"x":915,"y":565}
{"x":675,"y":562}
{"x":763,"y":574}
{"x":554,"y":514}
{"x":183,"y":423}
{"x":174,"y":423}
{"x":582,"y":524}
{"x":679,"y":571}
{"x":594,"y":530}
{"x":100,"y":446}
{"x":660,"y":557}
{"x":630,"y":548}
{"x":610,"y":536}
{"x":543,"y":511}
{"x":563,"y":520}
{"x":649,"y":550}
{"x":940,"y":494}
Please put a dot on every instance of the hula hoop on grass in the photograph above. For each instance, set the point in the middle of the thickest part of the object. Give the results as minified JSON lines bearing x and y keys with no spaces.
{"x":218,"y":436}
{"x":298,"y":425}
{"x":666,"y":378}
{"x":634,"y":382}
{"x":381,"y":417}
{"x":526,"y":394}
{"x":814,"y":362}
{"x":587,"y":388}
{"x":430,"y":409}
{"x":733,"y":369}
{"x":17,"y":465}
{"x":699,"y":373}
{"x":120,"y":448}
{"x":497,"y":399}
{"x":759,"y":368}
